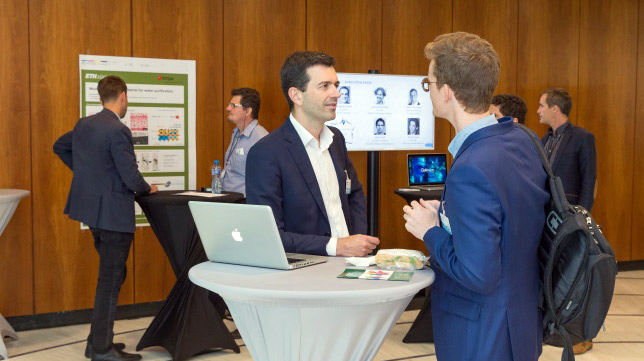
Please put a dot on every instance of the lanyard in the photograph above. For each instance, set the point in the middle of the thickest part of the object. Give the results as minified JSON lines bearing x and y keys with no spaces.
{"x":232,"y":148}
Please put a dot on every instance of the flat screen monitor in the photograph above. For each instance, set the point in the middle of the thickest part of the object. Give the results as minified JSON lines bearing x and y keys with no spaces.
{"x":427,"y":169}
{"x":384,"y":112}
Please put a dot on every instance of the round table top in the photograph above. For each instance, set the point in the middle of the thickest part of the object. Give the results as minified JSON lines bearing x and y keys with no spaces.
{"x":12,"y":195}
{"x":313,"y":285}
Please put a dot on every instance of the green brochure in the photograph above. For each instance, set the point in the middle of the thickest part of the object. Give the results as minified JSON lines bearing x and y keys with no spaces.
{"x":376,"y":274}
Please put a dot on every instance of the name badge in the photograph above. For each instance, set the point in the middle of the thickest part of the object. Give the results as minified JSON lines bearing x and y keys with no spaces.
{"x":347,"y":184}
{"x":240,"y":151}
{"x":445,"y":220}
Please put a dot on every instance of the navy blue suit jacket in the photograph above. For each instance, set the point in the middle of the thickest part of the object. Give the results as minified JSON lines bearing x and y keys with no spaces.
{"x":279,"y":174}
{"x":576,"y":164}
{"x":485,"y":296}
{"x":100,"y":153}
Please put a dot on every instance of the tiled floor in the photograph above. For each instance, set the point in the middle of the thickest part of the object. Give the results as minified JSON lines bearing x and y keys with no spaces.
{"x":623,"y":339}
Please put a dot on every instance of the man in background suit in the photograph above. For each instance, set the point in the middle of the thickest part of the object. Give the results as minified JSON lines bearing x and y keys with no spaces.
{"x":571,"y":152}
{"x":302,"y":170}
{"x":570,"y":149}
{"x":100,"y":153}
{"x":483,"y":237}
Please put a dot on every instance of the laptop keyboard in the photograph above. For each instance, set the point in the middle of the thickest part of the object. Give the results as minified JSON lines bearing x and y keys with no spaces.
{"x":294,"y":260}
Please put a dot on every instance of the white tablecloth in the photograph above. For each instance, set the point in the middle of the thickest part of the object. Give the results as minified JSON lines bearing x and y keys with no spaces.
{"x":309,"y":314}
{"x":9,"y":199}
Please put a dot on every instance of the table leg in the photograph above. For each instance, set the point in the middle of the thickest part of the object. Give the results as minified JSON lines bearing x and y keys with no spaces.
{"x":5,"y":331}
{"x":188,"y":310}
{"x":275,"y":332}
{"x":422,"y":330}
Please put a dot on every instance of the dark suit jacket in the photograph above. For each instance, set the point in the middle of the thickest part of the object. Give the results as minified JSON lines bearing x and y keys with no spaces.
{"x":486,"y":291}
{"x":279,"y":174}
{"x":100,"y":153}
{"x":576,"y":164}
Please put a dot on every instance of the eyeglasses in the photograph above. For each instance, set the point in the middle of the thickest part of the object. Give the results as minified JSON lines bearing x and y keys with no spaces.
{"x":235,"y":105}
{"x":425,"y":83}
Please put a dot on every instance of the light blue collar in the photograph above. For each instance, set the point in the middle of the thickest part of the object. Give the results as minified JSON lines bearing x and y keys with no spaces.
{"x":461,"y":136}
{"x":248,"y":130}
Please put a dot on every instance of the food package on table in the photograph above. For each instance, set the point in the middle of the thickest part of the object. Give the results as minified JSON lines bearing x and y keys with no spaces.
{"x":400,"y":259}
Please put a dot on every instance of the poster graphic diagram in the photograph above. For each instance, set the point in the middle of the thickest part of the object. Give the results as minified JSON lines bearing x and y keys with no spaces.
{"x":161,"y":115}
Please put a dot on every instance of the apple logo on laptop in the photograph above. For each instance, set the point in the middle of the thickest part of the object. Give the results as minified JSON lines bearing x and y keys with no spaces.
{"x":237,"y":235}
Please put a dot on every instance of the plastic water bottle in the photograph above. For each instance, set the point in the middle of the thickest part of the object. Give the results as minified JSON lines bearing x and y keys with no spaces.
{"x":216,"y":177}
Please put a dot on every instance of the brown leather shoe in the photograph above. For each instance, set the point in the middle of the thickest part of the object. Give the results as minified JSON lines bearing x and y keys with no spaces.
{"x":582,"y":347}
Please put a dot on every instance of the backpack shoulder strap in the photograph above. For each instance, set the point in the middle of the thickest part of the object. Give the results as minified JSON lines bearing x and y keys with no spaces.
{"x":557,"y":192}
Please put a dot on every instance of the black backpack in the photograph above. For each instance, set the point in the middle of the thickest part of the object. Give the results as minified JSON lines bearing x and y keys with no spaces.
{"x":577,"y":269}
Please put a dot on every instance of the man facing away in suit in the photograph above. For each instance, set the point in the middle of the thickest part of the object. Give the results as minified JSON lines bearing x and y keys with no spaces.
{"x":100,"y":153}
{"x":302,"y":170}
{"x":483,"y":237}
{"x":571,"y":152}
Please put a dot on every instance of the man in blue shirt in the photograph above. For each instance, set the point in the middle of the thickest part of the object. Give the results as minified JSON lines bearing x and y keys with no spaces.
{"x":243,"y":111}
{"x":483,"y":237}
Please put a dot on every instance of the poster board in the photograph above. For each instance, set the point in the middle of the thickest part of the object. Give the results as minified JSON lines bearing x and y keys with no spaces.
{"x":161,"y":115}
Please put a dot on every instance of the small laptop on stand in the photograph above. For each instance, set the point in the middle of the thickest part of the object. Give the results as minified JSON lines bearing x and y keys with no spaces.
{"x":427,"y":171}
{"x":244,"y":234}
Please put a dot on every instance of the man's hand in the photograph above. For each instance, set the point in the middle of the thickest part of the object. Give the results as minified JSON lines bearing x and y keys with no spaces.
{"x":358,"y":245}
{"x":154,"y":188}
{"x":421,"y":217}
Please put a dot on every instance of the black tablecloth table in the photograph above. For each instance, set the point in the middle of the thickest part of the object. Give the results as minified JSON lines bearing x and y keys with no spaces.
{"x":414,"y":194}
{"x":421,"y":330}
{"x":190,"y":320}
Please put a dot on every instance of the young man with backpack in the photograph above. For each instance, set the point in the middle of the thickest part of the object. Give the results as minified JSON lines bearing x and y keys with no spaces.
{"x":483,"y":237}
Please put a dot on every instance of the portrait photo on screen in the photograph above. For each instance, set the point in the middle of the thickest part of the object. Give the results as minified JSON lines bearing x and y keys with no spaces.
{"x":413,"y":97}
{"x":380,"y":127}
{"x":345,"y":95}
{"x":380,"y":93}
{"x":413,"y":126}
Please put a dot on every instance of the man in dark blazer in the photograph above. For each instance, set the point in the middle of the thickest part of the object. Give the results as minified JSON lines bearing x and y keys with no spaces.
{"x":483,"y":237}
{"x":100,"y":153}
{"x":572,"y":156}
{"x":302,"y":169}
{"x":570,"y":149}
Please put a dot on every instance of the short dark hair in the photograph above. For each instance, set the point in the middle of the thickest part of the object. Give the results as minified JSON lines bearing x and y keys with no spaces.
{"x":384,"y":93}
{"x":511,"y":105}
{"x":110,"y":87}
{"x":380,"y":120}
{"x":560,"y":98}
{"x":249,"y":99}
{"x":294,"y":70}
{"x":469,"y":65}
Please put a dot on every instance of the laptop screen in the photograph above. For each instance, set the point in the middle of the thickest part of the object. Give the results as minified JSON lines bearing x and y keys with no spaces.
{"x":426,"y":169}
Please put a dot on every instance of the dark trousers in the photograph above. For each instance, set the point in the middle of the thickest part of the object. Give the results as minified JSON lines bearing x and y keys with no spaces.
{"x":113,"y":249}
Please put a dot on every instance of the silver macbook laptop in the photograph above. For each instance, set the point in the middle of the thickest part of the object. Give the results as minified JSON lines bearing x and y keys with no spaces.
{"x":244,"y":234}
{"x":427,"y":171}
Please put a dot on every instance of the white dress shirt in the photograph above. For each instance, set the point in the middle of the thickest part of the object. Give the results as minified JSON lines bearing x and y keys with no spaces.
{"x":327,"y":180}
